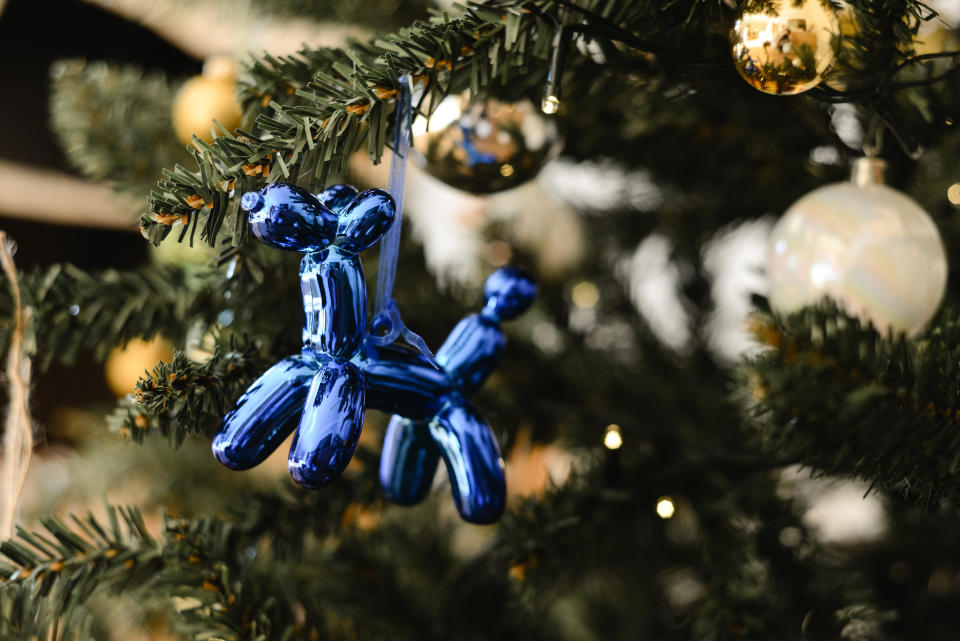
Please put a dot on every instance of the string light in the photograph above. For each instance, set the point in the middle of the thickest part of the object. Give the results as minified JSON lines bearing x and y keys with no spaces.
{"x":551,"y":92}
{"x":953,"y":194}
{"x":612,"y":440}
{"x":665,"y":507}
{"x":550,"y":104}
{"x":585,"y":294}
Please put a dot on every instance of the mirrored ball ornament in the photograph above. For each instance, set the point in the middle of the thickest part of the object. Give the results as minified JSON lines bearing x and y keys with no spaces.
{"x":784,"y":46}
{"x":868,"y":246}
{"x":485,"y":146}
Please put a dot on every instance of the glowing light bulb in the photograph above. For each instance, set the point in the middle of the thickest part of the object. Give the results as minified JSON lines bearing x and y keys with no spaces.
{"x":953,"y":194}
{"x":612,"y":440}
{"x":550,"y":105}
{"x":665,"y":507}
{"x":585,"y":294}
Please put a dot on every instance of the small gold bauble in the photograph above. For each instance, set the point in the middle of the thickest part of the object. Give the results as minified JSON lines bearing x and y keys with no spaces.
{"x":127,"y":364}
{"x":485,"y":146}
{"x":205,"y":98}
{"x":784,"y":46}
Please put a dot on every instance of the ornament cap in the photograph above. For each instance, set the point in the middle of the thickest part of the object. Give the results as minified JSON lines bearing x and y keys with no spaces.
{"x":509,"y":291}
{"x":219,"y":67}
{"x":868,"y":170}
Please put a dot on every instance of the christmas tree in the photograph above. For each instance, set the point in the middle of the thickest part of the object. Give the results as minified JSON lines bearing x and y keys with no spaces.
{"x":712,"y":426}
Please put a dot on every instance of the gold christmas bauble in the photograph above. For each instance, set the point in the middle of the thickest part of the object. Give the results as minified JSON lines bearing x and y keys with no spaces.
{"x":485,"y":146}
{"x":127,"y":364}
{"x":205,"y":98}
{"x":784,"y":46}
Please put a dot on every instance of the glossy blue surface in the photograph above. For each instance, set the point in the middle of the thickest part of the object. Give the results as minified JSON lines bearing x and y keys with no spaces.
{"x":409,"y":445}
{"x":288,"y":217}
{"x":509,"y":291}
{"x":472,"y":455}
{"x":470,"y":451}
{"x":334,"y":302}
{"x":330,"y":428}
{"x":471,"y":352}
{"x":336,"y":197}
{"x":364,"y":220}
{"x":324,"y":392}
{"x":402,"y":381}
{"x":265,"y":415}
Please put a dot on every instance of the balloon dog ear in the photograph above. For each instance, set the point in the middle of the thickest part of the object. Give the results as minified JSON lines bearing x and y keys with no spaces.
{"x":288,"y":217}
{"x":365,"y":219}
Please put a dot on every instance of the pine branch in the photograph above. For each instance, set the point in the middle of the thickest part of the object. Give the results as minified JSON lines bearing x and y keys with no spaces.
{"x":843,"y":399}
{"x":232,"y":593}
{"x":183,"y":397}
{"x":67,"y":563}
{"x":403,"y":577}
{"x":114,"y":122}
{"x":24,"y":614}
{"x":77,"y":311}
{"x":376,"y":14}
{"x":322,"y":105}
{"x":348,"y":102}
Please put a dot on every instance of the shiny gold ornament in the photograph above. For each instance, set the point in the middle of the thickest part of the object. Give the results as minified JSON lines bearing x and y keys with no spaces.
{"x":205,"y":98}
{"x":485,"y":146}
{"x":847,"y":74}
{"x":784,"y":46}
{"x":934,"y":38}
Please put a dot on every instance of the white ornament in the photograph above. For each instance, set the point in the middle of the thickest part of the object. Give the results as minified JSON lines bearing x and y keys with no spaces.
{"x":867,"y":246}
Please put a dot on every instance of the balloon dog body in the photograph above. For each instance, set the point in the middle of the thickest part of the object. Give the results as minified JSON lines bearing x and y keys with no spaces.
{"x":323,"y":392}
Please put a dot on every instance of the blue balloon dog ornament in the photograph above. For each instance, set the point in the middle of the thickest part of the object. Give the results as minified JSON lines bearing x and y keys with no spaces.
{"x":323,"y":391}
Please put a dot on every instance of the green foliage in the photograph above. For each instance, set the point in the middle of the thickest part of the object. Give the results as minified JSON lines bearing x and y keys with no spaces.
{"x":75,"y":312}
{"x":841,"y":398}
{"x":303,"y":565}
{"x":348,"y":102}
{"x":26,"y":615}
{"x":183,"y":397}
{"x":114,"y":122}
{"x":322,"y":105}
{"x":65,"y":564}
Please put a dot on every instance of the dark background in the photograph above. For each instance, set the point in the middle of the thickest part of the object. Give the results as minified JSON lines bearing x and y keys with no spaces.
{"x":32,"y":36}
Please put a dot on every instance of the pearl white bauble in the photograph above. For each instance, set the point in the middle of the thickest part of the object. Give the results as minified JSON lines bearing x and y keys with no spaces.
{"x":867,"y":246}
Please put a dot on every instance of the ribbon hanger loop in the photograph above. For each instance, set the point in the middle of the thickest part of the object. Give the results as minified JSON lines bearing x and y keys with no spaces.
{"x":387,"y":324}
